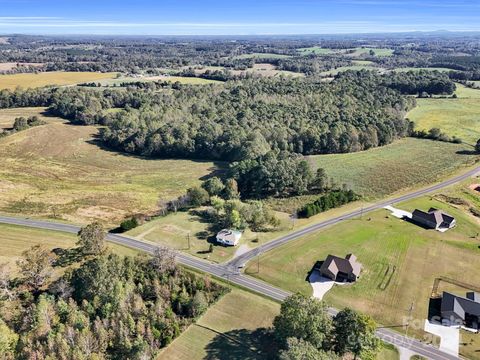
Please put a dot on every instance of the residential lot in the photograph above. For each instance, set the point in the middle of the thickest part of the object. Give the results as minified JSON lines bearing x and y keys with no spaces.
{"x":389,"y":249}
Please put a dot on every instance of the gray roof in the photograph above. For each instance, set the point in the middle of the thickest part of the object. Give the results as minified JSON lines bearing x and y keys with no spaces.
{"x":459,"y":305}
{"x":433,"y":216}
{"x":348,"y":265}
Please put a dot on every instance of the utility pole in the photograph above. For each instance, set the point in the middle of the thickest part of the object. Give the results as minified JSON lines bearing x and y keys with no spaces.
{"x":412,"y":306}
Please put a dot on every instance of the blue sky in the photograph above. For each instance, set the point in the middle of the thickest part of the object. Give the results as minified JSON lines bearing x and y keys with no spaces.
{"x":232,"y":17}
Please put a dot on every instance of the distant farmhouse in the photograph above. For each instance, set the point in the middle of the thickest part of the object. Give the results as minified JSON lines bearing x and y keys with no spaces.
{"x":339,"y":269}
{"x":229,"y":237}
{"x":458,"y":310}
{"x":434,"y":219}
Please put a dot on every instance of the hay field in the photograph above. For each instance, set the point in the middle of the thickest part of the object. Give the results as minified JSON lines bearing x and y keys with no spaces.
{"x":59,"y":171}
{"x":57,"y":78}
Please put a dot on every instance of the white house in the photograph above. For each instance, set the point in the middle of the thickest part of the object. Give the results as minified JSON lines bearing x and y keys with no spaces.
{"x":229,"y":237}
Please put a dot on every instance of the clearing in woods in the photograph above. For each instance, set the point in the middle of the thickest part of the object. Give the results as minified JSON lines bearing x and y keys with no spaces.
{"x":31,"y":80}
{"x":59,"y":171}
{"x":388,"y":248}
{"x":457,"y":117}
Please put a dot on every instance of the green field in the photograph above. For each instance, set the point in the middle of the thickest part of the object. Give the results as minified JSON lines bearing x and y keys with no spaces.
{"x":457,"y":117}
{"x":359,"y":67}
{"x":7,"y":116}
{"x":400,"y":261}
{"x":261,"y":56}
{"x":58,"y":171}
{"x":16,"y":239}
{"x":405,"y":164}
{"x":317,"y":50}
{"x":422,"y":69}
{"x":31,"y":80}
{"x":232,"y":326}
{"x":172,"y":79}
{"x":359,"y":51}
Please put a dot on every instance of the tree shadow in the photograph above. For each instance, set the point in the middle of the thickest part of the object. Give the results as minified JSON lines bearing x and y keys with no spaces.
{"x":466,"y":152}
{"x":242,"y":344}
{"x":67,"y":257}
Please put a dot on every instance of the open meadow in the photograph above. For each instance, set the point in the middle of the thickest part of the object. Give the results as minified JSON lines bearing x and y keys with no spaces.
{"x":235,"y":325}
{"x":388,"y":248}
{"x":456,"y":117}
{"x":171,"y":79}
{"x":261,"y":56}
{"x":59,"y":78}
{"x":404,"y":164}
{"x":16,"y":239}
{"x":59,"y":171}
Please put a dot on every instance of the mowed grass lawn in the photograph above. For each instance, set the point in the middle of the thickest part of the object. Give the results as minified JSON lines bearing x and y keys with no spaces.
{"x":230,"y":329}
{"x":59,"y":171}
{"x":58,"y":78}
{"x":405,"y":164}
{"x":181,"y":229}
{"x":457,"y":117}
{"x":400,"y":261}
{"x":16,"y":239}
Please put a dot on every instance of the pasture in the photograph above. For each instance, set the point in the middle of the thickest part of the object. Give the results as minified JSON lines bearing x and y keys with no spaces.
{"x":400,"y":261}
{"x":358,"y":67}
{"x":57,"y":78}
{"x":171,"y":79}
{"x":16,"y":239}
{"x":406,"y":69}
{"x":360,"y":51}
{"x":7,"y":116}
{"x":261,"y":56}
{"x":402,"y":165}
{"x":317,"y":50}
{"x":59,"y":171}
{"x":235,"y":325}
{"x":456,"y":117}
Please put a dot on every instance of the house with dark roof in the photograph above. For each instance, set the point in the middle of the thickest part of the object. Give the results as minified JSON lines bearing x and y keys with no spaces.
{"x":457,"y":310}
{"x":434,"y":219}
{"x":341,"y":269}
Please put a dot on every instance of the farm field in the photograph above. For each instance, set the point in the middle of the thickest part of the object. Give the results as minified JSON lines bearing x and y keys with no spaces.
{"x":334,"y":72}
{"x":456,"y":117}
{"x":388,"y":248}
{"x":317,"y":50}
{"x":13,"y":65}
{"x":427,"y":69}
{"x":7,"y":116}
{"x":50,"y":78}
{"x":385,"y":170}
{"x":359,"y":51}
{"x":16,"y":239}
{"x":58,"y":171}
{"x":234,"y":325}
{"x":172,"y":79}
{"x":267,"y":70}
{"x":261,"y":56}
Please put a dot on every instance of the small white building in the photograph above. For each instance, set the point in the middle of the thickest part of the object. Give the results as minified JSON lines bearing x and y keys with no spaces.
{"x":229,"y":237}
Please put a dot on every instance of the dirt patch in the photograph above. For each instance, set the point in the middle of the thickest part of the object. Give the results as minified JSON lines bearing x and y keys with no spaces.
{"x":173,"y":229}
{"x":475,"y":187}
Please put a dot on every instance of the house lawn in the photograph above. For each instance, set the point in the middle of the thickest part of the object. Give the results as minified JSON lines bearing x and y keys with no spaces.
{"x":400,"y":259}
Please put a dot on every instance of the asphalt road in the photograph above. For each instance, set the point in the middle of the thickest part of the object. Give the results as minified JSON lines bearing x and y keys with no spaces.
{"x":230,"y":271}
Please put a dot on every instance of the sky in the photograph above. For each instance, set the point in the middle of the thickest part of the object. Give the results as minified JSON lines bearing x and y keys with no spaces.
{"x":232,"y":17}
